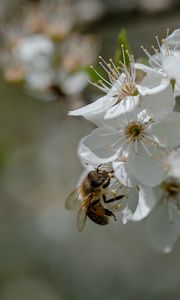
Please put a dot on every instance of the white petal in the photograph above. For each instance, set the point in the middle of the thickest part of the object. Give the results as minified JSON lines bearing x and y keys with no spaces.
{"x":146,"y":203}
{"x":174,"y":38}
{"x":89,"y":109}
{"x":177,"y":88}
{"x":146,"y":169}
{"x":124,"y":106}
{"x":159,"y":103}
{"x":87,"y":157}
{"x":171,"y":65}
{"x":130,"y":205}
{"x":95,"y":111}
{"x":155,"y":61}
{"x":162,"y":233}
{"x":144,"y":68}
{"x":154,"y":82}
{"x":167,"y":129}
{"x":104,"y":142}
{"x":174,"y":162}
{"x":123,"y":174}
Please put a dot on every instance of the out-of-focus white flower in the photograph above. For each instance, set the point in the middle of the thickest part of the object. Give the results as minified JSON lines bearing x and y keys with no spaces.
{"x":78,"y":51}
{"x":43,"y":52}
{"x":54,"y":19}
{"x":174,"y":163}
{"x":171,"y":161}
{"x":141,"y":137}
{"x":89,"y":10}
{"x":73,"y":83}
{"x":124,"y":93}
{"x":34,"y":49}
{"x":163,"y":223}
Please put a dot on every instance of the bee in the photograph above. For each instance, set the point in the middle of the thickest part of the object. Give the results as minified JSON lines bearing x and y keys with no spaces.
{"x":87,"y":199}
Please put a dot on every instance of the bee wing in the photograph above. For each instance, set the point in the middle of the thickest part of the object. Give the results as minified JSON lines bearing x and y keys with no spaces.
{"x":82,"y":213}
{"x":72,"y":202}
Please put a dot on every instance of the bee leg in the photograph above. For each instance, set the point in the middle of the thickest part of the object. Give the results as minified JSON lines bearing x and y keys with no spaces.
{"x":110,"y":214}
{"x":112,"y":199}
{"x":107,"y":183}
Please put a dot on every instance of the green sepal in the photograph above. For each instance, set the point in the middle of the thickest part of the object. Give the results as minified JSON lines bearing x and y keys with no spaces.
{"x":122,"y":41}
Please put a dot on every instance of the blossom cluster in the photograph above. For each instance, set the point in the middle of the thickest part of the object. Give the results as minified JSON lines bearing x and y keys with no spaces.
{"x":138,"y":134}
{"x":44,"y":51}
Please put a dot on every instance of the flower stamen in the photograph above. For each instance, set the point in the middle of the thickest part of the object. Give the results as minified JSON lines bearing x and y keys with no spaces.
{"x":134,"y":131}
{"x":121,"y":80}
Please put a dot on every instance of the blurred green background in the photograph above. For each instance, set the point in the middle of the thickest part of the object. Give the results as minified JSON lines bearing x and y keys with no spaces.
{"x":42,"y":256}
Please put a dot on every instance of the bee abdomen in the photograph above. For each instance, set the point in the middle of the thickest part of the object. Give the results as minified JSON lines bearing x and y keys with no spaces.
{"x":101,"y":220}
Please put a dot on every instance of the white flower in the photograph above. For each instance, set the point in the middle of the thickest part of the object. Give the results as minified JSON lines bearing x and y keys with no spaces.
{"x":79,"y":51}
{"x":123,"y":93}
{"x":163,"y":224}
{"x":167,"y":58}
{"x":142,"y":138}
{"x":35,"y":53}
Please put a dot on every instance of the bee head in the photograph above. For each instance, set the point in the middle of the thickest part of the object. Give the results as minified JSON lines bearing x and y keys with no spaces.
{"x":99,"y":177}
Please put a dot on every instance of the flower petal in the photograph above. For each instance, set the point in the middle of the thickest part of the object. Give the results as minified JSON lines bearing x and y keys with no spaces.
{"x":123,"y":173}
{"x":177,"y":89}
{"x":146,"y":203}
{"x":145,"y":168}
{"x":167,"y":129}
{"x":171,"y":65}
{"x":154,"y":82}
{"x":87,"y":157}
{"x":174,"y":38}
{"x":104,"y":142}
{"x":130,"y":205}
{"x":124,"y":106}
{"x":159,"y":103}
{"x":91,"y":110}
{"x":162,"y":233}
{"x":174,"y":163}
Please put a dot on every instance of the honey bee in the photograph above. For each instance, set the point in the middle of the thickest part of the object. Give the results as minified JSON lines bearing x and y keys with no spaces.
{"x":86,"y":199}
